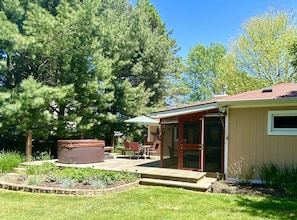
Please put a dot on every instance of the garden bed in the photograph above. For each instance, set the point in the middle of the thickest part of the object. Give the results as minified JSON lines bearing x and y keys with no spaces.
{"x":48,"y":178}
{"x":77,"y":189}
{"x":230,"y":187}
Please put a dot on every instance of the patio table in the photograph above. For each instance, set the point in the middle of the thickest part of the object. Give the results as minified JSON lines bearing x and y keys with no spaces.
{"x":146,"y":150}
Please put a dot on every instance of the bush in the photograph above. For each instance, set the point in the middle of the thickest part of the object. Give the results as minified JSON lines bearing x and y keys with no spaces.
{"x":278,"y":177}
{"x":68,"y":176}
{"x":88,"y":174}
{"x":290,"y":179}
{"x":10,"y":160}
{"x":34,"y":180}
{"x":66,"y":183}
{"x":98,"y":184}
{"x":271,"y":175}
{"x":76,"y":174}
{"x":38,"y":156}
{"x":45,"y":168}
{"x":129,"y":177}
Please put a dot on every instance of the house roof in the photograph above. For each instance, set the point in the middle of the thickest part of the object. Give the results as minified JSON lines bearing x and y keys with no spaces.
{"x":283,"y":90}
{"x":281,"y":94}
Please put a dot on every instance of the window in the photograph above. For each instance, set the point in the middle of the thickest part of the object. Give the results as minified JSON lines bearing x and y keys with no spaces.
{"x":283,"y":122}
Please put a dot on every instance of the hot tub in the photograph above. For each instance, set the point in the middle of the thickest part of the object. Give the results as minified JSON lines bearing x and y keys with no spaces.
{"x":81,"y":151}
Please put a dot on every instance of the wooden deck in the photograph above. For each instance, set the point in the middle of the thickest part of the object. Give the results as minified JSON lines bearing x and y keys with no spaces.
{"x":151,"y":173}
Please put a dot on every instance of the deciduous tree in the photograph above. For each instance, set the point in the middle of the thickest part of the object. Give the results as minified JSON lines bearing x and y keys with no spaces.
{"x":262,"y":50}
{"x":201,"y":72}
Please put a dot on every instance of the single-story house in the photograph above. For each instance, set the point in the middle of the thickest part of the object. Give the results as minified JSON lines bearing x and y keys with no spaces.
{"x":229,"y":132}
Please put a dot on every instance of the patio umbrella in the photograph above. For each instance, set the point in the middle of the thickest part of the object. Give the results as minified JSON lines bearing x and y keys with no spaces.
{"x":142,"y":120}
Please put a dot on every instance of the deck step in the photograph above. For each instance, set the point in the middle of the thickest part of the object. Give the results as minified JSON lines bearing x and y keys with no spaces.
{"x":175,"y":175}
{"x":202,"y":185}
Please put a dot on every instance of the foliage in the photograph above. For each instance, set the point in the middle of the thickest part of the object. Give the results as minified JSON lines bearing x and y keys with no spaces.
{"x":271,"y":175}
{"x":100,"y":62}
{"x":262,"y":55}
{"x":34,"y":180}
{"x":278,"y":177}
{"x":30,"y":107}
{"x":142,"y":203}
{"x":10,"y":160}
{"x":68,"y":176}
{"x":39,"y":156}
{"x":98,"y":184}
{"x":201,"y":70}
{"x":82,"y":174}
{"x":236,"y":81}
{"x":263,"y":50}
{"x":44,"y":168}
{"x":243,"y":173}
{"x":154,"y":19}
{"x":76,"y":174}
{"x":66,"y":183}
{"x":290,"y":179}
{"x":128,"y":176}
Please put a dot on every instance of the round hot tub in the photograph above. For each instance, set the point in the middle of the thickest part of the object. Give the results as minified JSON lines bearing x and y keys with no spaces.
{"x":81,"y":151}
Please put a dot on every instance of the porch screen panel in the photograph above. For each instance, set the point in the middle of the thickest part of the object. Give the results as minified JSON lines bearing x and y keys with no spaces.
{"x":191,"y":132}
{"x":191,"y":159}
{"x":190,"y":149}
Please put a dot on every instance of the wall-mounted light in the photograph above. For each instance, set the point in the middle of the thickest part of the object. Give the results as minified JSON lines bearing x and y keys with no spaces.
{"x":223,"y":109}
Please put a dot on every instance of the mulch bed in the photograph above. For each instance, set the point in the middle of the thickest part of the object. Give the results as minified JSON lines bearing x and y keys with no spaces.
{"x":219,"y":187}
{"x":229,"y":187}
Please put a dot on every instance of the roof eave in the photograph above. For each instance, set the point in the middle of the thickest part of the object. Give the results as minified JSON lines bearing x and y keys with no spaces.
{"x":183,"y":111}
{"x":170,"y":113}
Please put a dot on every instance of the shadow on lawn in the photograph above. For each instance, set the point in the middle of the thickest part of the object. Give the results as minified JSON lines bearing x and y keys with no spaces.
{"x":269,"y":207}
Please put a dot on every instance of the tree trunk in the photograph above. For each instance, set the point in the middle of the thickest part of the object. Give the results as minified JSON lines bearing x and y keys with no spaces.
{"x":29,"y":146}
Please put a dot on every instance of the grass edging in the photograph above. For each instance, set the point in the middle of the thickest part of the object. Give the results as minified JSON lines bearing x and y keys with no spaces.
{"x":62,"y":191}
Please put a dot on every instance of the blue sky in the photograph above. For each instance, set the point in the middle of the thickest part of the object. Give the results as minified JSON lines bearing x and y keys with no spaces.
{"x":206,"y":21}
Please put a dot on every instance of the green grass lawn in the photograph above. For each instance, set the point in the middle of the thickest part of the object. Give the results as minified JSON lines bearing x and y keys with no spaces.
{"x":145,"y":203}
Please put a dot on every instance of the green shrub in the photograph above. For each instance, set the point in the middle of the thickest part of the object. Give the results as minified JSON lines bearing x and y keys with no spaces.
{"x":290,"y":179}
{"x":66,"y":183}
{"x":10,"y":160}
{"x":129,"y":177}
{"x":34,"y":180}
{"x":67,"y":176}
{"x":44,"y":168}
{"x":38,"y":156}
{"x":278,"y":177}
{"x":98,"y":184}
{"x":271,"y":175}
{"x":76,"y":174}
{"x":107,"y":177}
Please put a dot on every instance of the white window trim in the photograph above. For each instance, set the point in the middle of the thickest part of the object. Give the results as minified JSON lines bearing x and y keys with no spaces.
{"x":280,"y":131}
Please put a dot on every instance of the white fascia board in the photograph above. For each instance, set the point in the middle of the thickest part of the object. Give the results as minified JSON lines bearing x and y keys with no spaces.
{"x":258,"y":103}
{"x":183,"y":111}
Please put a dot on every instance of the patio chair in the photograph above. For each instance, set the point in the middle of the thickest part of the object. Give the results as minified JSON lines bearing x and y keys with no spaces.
{"x":149,"y":143}
{"x":154,"y":149}
{"x":126,"y":148}
{"x":135,"y":147}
